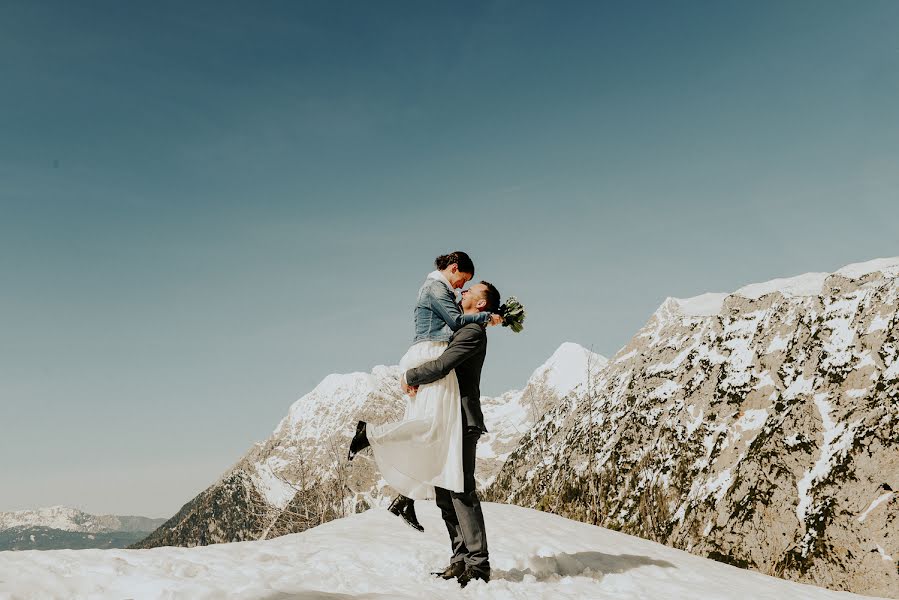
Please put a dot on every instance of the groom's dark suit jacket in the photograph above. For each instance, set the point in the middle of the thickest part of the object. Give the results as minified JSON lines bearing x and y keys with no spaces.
{"x":461,"y":511}
{"x":465,"y":353}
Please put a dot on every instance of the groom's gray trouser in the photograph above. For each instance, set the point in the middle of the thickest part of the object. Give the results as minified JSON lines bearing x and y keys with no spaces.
{"x":462,"y":512}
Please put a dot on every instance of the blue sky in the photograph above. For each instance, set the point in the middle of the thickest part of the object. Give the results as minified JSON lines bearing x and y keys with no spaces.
{"x":205,"y":208}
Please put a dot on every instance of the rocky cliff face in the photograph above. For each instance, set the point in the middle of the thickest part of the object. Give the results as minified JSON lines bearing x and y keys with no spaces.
{"x":759,"y":428}
{"x":299,"y":477}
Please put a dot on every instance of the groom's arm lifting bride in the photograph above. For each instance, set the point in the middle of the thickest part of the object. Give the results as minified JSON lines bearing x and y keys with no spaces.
{"x":461,"y":511}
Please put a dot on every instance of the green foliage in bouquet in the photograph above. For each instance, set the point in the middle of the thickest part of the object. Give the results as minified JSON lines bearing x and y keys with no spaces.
{"x":512,"y":313}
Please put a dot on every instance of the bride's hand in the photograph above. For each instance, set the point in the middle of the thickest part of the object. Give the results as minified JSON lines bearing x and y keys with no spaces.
{"x":408,"y":389}
{"x":496,"y":319}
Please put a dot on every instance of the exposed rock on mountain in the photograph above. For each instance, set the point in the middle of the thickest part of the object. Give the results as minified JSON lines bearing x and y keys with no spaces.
{"x":299,"y":477}
{"x":760,"y":428}
{"x":224,"y":512}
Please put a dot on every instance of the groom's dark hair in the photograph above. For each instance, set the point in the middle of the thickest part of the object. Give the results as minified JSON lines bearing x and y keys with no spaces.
{"x":458,"y":257}
{"x":492,"y":297}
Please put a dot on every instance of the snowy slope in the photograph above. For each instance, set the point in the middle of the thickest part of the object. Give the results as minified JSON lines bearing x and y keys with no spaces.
{"x":534,"y":555}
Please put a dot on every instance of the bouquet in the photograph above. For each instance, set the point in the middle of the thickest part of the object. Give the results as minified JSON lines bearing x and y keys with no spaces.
{"x":512,"y":313}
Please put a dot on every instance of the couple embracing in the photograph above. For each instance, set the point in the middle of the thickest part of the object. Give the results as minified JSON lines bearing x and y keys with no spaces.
{"x":430,"y":453}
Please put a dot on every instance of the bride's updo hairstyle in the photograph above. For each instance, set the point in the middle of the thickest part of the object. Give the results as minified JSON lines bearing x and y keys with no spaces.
{"x":458,"y":257}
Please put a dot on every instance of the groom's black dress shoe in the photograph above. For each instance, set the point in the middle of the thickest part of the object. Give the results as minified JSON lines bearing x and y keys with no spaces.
{"x":452,"y":571}
{"x":405,"y":508}
{"x":360,"y":441}
{"x":470,"y":574}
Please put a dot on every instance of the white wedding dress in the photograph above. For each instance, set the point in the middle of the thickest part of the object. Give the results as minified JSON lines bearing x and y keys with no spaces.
{"x":424,"y":450}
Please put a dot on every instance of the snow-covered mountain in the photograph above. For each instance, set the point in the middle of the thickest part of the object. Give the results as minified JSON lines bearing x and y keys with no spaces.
{"x":373,"y":555}
{"x":511,"y":415}
{"x":72,"y":519}
{"x":61,"y":527}
{"x":759,"y":428}
{"x":299,"y":477}
{"x":564,"y":372}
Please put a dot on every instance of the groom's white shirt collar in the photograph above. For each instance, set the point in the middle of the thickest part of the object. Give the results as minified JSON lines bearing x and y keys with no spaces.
{"x":441,"y":277}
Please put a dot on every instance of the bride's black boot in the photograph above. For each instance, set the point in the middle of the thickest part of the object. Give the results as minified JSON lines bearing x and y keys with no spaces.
{"x":359,"y":442}
{"x":405,"y":508}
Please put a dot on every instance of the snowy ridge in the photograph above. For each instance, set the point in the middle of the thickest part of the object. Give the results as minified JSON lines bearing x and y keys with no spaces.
{"x":808,"y":284}
{"x":566,"y":369}
{"x":888,"y":266}
{"x":310,"y":414}
{"x":372,"y":555}
{"x":315,"y":426}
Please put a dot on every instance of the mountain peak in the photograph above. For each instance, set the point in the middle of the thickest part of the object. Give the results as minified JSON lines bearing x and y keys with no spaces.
{"x":567,"y":367}
{"x":344,"y":386}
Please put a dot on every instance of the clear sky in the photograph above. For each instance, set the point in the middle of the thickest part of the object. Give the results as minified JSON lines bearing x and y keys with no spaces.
{"x":206,"y":208}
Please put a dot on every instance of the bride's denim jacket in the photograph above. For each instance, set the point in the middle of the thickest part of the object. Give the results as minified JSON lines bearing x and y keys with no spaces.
{"x":437,"y":315}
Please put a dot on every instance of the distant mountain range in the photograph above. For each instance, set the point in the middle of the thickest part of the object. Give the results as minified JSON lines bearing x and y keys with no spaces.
{"x":59,"y":527}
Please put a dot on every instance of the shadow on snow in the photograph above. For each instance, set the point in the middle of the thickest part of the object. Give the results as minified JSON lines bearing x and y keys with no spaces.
{"x":579,"y":564}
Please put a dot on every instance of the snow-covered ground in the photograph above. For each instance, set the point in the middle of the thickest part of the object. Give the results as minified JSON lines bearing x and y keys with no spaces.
{"x":374,"y":555}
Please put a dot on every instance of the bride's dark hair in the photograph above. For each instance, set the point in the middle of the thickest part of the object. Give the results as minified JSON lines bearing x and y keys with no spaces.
{"x":458,"y":257}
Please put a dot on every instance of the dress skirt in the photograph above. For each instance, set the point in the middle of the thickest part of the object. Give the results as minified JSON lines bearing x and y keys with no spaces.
{"x":424,"y":450}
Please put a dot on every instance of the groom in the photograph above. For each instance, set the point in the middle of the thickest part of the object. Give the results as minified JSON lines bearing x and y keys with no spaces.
{"x":462,"y":510}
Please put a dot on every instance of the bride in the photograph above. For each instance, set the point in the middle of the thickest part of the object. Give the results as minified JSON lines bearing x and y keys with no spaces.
{"x":424,"y":449}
